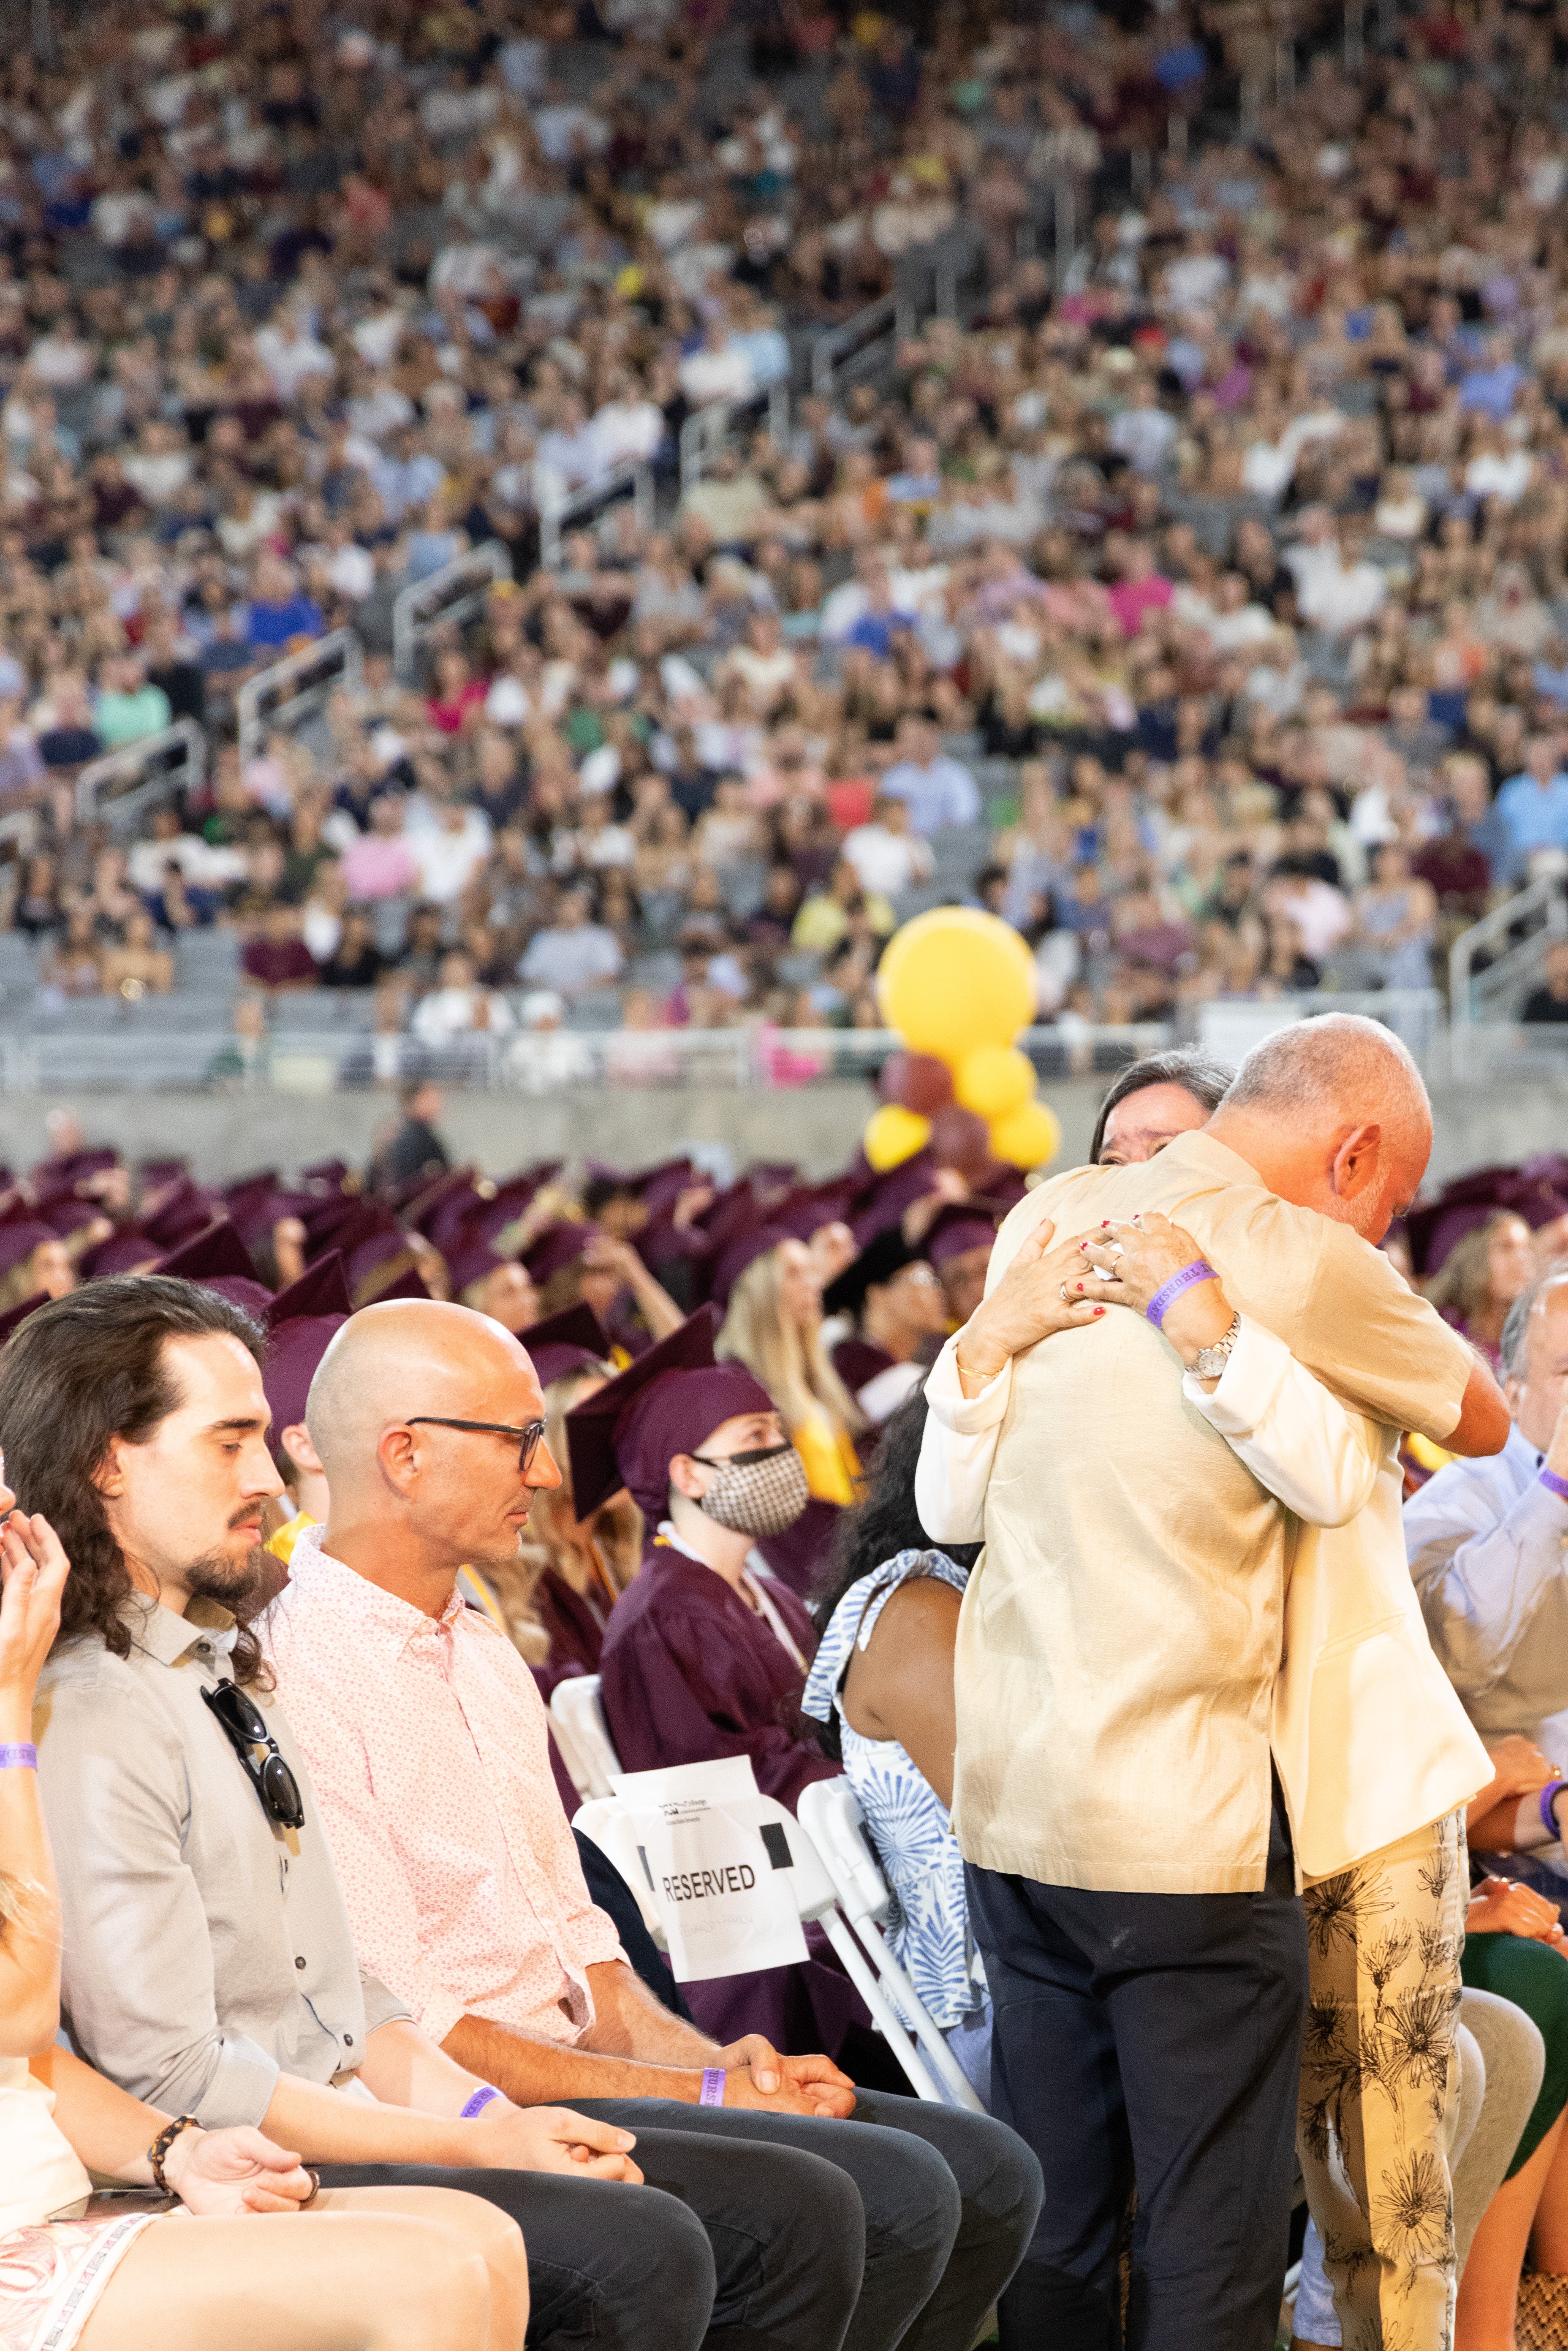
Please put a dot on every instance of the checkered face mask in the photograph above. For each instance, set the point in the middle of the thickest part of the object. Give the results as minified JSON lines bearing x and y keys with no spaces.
{"x":756,"y":1493}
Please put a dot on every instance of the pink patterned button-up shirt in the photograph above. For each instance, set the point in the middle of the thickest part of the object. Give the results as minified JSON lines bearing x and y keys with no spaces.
{"x":428,"y":1745}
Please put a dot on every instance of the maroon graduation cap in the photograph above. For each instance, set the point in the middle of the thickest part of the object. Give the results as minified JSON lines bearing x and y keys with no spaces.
{"x":321,"y":1288}
{"x":302,"y":1322}
{"x":130,"y":1250}
{"x":559,"y":1245}
{"x":20,"y":1239}
{"x":219,"y":1260}
{"x":469,"y":1258}
{"x":953,"y":1231}
{"x":410,"y":1284}
{"x":669,"y":1401}
{"x":572,"y":1341}
{"x":884,"y":1204}
{"x":743,"y":1252}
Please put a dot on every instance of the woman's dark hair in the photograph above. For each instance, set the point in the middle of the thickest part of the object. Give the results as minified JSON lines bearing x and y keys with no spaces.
{"x":1204,"y":1079}
{"x":80,"y":1372}
{"x":877,"y":1529}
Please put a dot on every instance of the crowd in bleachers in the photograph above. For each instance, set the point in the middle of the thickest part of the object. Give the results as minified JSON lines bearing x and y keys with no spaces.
{"x":1202,"y":612}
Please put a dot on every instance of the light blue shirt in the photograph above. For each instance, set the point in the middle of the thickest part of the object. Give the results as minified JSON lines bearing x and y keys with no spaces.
{"x":1536,"y":814}
{"x":907,"y":1819}
{"x":944,"y":793}
{"x":1488,"y":1545}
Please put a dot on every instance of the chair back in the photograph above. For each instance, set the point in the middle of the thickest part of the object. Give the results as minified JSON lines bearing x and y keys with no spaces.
{"x":832,"y":1817}
{"x":585,"y":1746}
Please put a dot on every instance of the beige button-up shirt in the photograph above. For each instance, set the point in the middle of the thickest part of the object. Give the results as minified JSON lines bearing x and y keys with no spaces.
{"x":1120,"y":1637}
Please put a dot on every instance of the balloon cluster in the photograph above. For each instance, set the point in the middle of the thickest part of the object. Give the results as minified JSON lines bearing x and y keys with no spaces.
{"x":958,"y":985}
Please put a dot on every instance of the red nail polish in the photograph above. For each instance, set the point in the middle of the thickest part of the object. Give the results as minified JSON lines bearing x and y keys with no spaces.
{"x":1081,"y":1285}
{"x":1098,"y":1311}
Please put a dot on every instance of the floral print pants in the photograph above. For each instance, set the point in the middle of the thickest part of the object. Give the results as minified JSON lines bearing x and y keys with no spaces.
{"x":1380,"y":2083}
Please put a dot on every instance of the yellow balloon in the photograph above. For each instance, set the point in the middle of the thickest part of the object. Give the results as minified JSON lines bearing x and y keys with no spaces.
{"x":955,"y":978}
{"x":1029,"y":1136}
{"x":994,"y":1079}
{"x":894,"y":1135}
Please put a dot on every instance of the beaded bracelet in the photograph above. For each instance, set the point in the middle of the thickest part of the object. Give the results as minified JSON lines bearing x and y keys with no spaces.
{"x":1165,"y":1297}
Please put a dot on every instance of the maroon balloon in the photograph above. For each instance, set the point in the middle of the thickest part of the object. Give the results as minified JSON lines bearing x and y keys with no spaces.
{"x":960,"y":1139}
{"x":918,"y":1082}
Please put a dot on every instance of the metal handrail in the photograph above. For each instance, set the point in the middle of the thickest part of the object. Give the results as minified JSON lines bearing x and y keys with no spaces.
{"x":1546,"y":897}
{"x":557,"y":513}
{"x":857,"y":348}
{"x":186,"y":773}
{"x":422,"y":608}
{"x":709,"y":429}
{"x":340,"y":651}
{"x":55,"y":1054}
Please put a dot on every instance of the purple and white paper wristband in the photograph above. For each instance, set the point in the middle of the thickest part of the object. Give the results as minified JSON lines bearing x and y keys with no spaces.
{"x":23,"y":1758}
{"x":711,"y":2094}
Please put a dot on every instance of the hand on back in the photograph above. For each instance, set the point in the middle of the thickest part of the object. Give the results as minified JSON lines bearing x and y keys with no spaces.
{"x":1035,"y":1298}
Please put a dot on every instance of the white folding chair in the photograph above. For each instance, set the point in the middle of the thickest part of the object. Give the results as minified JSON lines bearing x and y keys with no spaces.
{"x":587,"y":1748}
{"x":816,"y":1898}
{"x":605,"y":1822}
{"x":832,"y":1817}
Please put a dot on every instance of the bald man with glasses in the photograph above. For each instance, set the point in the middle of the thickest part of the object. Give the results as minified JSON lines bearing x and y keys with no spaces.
{"x":425,"y":1740}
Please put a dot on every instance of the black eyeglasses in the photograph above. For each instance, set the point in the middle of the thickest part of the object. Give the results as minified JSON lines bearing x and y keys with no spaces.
{"x":527,"y":1438}
{"x":244,"y":1727}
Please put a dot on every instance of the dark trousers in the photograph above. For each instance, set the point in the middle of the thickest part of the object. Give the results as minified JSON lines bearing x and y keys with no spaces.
{"x":1154,"y":2038}
{"x":767,"y":2233}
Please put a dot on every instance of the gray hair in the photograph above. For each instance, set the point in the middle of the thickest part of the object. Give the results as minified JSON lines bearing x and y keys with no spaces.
{"x":1514,"y":1345}
{"x":1196,"y":1072}
{"x":1323,"y":1064}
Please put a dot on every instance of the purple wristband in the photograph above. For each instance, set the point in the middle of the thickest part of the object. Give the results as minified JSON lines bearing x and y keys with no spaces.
{"x":714,"y":2078}
{"x":1553,"y":1483}
{"x":1548,"y":1798}
{"x":481,"y":2098}
{"x":1165,"y":1297}
{"x":19,"y":1759}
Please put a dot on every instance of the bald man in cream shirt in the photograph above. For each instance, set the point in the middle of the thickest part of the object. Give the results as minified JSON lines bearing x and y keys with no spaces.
{"x":1132,"y":1851}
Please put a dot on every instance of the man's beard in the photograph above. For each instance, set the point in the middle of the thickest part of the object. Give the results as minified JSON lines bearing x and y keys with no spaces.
{"x":218,"y":1576}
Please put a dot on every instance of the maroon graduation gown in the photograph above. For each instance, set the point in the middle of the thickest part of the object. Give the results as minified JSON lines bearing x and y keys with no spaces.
{"x":800,"y":1555}
{"x":689,"y":1674}
{"x":574,"y":1623}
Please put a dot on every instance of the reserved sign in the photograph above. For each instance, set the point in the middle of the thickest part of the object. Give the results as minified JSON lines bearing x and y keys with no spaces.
{"x":720,"y":1878}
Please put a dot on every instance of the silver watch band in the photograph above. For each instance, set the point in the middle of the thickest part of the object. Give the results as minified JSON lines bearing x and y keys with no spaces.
{"x":1209,"y":1363}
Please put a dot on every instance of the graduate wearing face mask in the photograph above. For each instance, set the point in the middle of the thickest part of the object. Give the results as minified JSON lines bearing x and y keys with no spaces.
{"x":705,"y":1653}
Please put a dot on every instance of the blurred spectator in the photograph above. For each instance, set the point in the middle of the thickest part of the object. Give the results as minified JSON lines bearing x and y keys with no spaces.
{"x":573,"y":953}
{"x":459,"y":1006}
{"x":1549,"y":1002}
{"x":276,"y":958}
{"x":416,"y":1148}
{"x":888,"y":855}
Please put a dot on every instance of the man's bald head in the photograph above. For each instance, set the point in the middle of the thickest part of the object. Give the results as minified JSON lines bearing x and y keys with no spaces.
{"x":391,"y":1378}
{"x":1334,"y":1115}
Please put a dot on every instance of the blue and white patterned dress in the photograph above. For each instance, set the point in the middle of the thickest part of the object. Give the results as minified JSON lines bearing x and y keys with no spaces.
{"x":909,"y":1824}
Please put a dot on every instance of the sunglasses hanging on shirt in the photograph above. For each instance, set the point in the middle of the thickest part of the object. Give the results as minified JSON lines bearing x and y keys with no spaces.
{"x":244,"y":1727}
